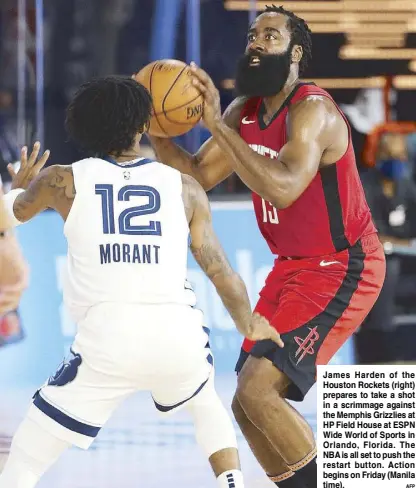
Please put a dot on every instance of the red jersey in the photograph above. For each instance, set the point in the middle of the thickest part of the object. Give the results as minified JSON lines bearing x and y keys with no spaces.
{"x":331,"y":214}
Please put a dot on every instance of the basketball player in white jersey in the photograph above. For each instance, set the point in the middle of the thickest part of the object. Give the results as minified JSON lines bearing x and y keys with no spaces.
{"x":127,"y":223}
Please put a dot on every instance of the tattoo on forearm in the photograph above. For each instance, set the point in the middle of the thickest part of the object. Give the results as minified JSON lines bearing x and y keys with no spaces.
{"x":19,"y":210}
{"x":210,"y":255}
{"x":29,"y":197}
{"x":62,"y":182}
{"x":207,"y":251}
{"x":53,"y":188}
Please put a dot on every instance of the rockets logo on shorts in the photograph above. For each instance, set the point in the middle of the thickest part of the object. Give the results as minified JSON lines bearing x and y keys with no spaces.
{"x":306,"y":344}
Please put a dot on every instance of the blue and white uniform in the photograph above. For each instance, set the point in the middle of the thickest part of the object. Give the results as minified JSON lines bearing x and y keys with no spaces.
{"x":126,"y":289}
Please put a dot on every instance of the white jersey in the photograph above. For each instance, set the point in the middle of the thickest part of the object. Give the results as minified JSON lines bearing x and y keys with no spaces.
{"x":127,"y":236}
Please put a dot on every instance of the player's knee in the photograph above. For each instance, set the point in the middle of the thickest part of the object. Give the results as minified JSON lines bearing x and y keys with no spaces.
{"x":239,"y":414}
{"x":250,"y":385}
{"x":236,"y":407}
{"x":254,"y":395}
{"x":248,"y":400}
{"x":213,"y":425}
{"x":237,"y":410}
{"x":260,"y":377}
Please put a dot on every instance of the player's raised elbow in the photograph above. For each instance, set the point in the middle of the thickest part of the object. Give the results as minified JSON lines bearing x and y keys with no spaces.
{"x":280,"y":197}
{"x":199,"y":174}
{"x":206,"y":183}
{"x":210,"y":168}
{"x":283,"y":195}
{"x":205,"y":177}
{"x":281,"y":203}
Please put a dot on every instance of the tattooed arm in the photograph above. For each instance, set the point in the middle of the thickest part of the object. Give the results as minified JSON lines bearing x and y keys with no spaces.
{"x":35,"y":190}
{"x":51,"y":188}
{"x":210,"y":256}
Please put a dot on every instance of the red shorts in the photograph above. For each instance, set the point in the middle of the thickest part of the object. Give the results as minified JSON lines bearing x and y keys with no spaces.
{"x":316,"y":304}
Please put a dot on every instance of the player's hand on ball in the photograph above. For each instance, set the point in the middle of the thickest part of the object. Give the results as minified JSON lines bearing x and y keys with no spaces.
{"x":212,"y":105}
{"x":29,"y":167}
{"x":260,"y":330}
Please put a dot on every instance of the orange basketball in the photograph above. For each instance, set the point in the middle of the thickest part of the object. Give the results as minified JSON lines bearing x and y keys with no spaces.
{"x":177,"y":104}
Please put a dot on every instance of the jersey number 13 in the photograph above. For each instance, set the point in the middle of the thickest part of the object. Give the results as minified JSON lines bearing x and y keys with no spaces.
{"x":106,"y":192}
{"x":269,"y":212}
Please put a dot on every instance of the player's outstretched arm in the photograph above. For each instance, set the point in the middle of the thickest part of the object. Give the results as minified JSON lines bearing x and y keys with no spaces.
{"x":209,"y":166}
{"x":35,"y":189}
{"x":211,"y":257}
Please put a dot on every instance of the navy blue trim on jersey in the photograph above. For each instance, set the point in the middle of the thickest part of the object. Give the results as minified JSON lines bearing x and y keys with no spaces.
{"x":262,"y":109}
{"x":210,"y":357}
{"x":168,"y":408}
{"x":330,"y":187}
{"x":64,"y":419}
{"x":126,"y":166}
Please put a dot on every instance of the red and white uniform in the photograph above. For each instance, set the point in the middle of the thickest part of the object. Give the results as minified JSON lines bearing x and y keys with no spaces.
{"x":330,"y":265}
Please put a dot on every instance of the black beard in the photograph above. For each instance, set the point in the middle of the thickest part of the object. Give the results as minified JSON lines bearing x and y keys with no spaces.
{"x":264,"y":79}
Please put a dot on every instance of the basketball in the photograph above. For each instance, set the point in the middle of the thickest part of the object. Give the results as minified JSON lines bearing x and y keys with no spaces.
{"x":177,"y":104}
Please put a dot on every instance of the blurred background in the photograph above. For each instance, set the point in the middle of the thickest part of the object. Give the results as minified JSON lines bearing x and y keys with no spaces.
{"x":364,"y":54}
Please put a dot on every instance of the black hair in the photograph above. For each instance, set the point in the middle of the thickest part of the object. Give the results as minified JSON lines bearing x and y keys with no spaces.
{"x":301,"y":34}
{"x":106,"y":114}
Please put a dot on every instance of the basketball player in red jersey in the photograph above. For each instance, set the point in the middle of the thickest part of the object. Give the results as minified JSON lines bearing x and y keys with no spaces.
{"x":291,"y":145}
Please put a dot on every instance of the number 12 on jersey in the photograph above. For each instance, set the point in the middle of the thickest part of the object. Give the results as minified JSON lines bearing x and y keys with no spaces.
{"x":269,"y":212}
{"x":106,"y":192}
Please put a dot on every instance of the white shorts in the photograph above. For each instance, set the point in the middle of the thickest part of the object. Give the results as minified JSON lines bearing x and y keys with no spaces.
{"x":121,"y":349}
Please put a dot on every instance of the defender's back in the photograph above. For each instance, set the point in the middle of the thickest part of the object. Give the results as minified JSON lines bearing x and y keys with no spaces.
{"x":127,"y":235}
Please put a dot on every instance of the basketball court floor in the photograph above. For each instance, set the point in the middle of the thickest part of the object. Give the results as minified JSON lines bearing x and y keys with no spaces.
{"x":138,"y":447}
